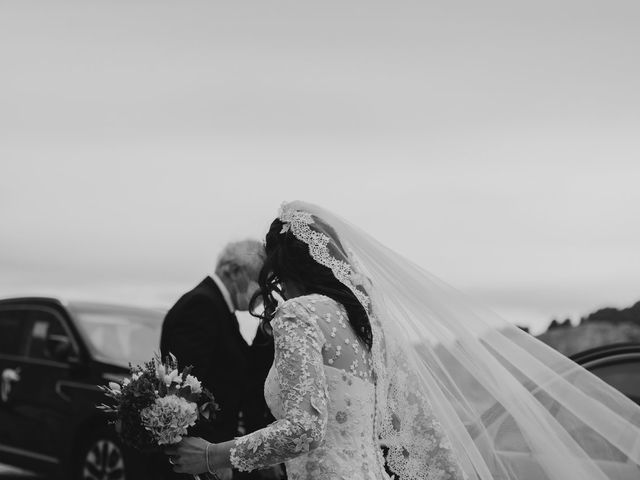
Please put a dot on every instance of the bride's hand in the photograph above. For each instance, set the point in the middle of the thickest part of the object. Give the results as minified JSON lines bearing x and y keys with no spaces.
{"x":189,"y":455}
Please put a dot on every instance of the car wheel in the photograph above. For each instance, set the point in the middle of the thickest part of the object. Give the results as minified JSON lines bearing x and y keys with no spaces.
{"x":101,"y":458}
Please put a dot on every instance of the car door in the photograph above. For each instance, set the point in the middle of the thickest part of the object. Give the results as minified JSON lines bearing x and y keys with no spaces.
{"x":49,"y":345}
{"x":13,"y":419}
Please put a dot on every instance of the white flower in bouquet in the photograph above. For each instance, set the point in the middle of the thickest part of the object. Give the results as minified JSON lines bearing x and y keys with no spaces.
{"x":172,"y":377}
{"x":161,"y":371}
{"x":194,"y":383}
{"x":169,"y":418}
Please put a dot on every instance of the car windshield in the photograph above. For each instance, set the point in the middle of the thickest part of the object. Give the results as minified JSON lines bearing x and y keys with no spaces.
{"x":120,"y":334}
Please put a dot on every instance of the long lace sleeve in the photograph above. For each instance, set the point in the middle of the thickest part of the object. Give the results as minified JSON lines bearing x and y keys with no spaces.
{"x":298,"y":362}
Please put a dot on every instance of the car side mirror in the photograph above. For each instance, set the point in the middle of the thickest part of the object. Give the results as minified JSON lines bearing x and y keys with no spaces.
{"x":60,"y":348}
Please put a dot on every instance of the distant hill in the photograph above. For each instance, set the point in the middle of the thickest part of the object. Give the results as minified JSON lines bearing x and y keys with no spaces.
{"x":603,"y":327}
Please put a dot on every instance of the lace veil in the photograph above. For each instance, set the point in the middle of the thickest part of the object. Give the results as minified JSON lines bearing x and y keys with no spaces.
{"x":460,"y":392}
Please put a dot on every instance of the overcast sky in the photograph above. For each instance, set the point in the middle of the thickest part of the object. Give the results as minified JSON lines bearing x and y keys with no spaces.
{"x":497,"y":144}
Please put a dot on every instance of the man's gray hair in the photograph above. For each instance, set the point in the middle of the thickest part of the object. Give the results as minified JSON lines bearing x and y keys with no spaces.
{"x":247,"y":255}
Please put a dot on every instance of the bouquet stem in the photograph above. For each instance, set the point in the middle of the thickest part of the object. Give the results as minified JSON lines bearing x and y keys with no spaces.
{"x":207,"y":476}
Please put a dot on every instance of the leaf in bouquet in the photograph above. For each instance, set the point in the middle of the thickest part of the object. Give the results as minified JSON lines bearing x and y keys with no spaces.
{"x":108,"y":409}
{"x":179,"y":391}
{"x":207,"y":410}
{"x":207,"y":396}
{"x":186,"y":371}
{"x":163,"y":391}
{"x":129,"y":426}
{"x":115,"y":396}
{"x":104,"y":390}
{"x":185,"y":392}
{"x":170,"y":361}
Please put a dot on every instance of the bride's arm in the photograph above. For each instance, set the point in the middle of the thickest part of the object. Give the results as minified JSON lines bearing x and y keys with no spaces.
{"x":299,"y":366}
{"x":298,"y":362}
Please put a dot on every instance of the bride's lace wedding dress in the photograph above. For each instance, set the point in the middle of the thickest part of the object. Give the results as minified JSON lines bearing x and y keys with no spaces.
{"x":321,"y":389}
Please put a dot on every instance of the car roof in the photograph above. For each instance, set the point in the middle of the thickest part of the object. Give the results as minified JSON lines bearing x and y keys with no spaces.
{"x":605,"y":351}
{"x":40,"y":300}
{"x":78,"y":304}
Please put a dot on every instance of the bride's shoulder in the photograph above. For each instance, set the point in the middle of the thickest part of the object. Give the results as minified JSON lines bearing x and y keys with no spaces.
{"x":304,"y":313}
{"x":309,"y":308}
{"x":314,"y":303}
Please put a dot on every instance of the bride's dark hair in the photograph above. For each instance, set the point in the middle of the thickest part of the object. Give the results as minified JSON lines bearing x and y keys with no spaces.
{"x":288,"y":260}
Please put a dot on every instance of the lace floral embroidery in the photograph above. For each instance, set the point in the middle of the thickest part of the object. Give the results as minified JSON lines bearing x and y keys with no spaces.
{"x":299,"y":366}
{"x":418,"y":448}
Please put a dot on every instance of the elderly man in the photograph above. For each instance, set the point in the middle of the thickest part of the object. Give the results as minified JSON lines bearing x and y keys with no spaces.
{"x":202,"y":330}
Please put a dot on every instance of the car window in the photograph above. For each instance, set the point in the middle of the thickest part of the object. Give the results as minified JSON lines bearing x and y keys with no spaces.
{"x":12,"y":332}
{"x":509,"y":437}
{"x":120,"y":335}
{"x":46,"y":335}
{"x":594,"y":444}
{"x":624,"y":376}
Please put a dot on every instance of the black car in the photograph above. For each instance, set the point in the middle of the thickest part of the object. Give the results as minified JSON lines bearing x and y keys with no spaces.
{"x":618,"y":365}
{"x":53,"y":354}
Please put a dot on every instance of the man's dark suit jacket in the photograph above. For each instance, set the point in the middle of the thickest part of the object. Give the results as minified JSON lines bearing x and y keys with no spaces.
{"x":201,"y":331}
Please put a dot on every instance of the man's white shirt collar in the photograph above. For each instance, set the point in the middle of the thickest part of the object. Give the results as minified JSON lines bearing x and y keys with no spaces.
{"x":224,"y":291}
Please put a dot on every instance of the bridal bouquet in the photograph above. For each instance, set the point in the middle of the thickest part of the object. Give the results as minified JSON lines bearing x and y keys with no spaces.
{"x":157,"y":405}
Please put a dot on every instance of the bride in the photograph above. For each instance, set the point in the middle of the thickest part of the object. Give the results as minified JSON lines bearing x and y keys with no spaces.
{"x":382,"y":371}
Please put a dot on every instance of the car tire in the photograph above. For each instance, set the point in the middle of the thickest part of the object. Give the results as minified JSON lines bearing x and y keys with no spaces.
{"x":102,"y":456}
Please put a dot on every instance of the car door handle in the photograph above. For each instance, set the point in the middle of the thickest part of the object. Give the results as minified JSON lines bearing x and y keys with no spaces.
{"x":9,"y":376}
